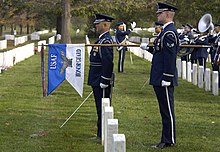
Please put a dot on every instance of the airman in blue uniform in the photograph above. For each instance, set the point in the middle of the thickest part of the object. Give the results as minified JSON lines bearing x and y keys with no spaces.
{"x":120,"y":37}
{"x":163,"y":75}
{"x":101,"y":65}
{"x":202,"y":53}
{"x":186,"y":38}
{"x":214,"y":41}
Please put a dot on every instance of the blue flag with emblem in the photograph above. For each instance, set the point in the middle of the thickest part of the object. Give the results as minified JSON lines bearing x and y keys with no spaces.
{"x":66,"y":62}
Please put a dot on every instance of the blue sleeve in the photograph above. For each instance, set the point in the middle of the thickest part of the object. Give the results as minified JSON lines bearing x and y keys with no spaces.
{"x":170,"y":46}
{"x":106,"y":54}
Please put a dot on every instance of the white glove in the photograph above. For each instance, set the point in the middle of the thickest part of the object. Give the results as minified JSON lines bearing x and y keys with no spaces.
{"x":133,"y":25}
{"x":186,"y":39}
{"x":144,"y":46}
{"x":103,"y":86}
{"x":165,"y":83}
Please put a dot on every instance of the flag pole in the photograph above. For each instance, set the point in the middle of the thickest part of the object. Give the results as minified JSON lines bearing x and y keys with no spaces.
{"x":43,"y":71}
{"x":138,"y":45}
{"x":76,"y":109}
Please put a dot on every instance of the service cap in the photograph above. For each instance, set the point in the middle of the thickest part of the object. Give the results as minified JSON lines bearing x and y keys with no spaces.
{"x":161,"y":7}
{"x":103,"y":18}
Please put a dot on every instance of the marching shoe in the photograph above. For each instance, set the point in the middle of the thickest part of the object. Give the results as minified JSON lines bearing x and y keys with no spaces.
{"x":162,"y":145}
{"x":95,"y":138}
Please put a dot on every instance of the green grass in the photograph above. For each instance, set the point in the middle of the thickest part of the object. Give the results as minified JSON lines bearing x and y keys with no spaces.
{"x":30,"y":122}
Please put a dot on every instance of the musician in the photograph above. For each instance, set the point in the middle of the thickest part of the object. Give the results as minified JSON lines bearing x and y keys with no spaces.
{"x":163,"y":75}
{"x":202,"y":53}
{"x":158,"y":28}
{"x":101,"y":65}
{"x":186,"y":38}
{"x":120,"y":36}
{"x":214,"y":41}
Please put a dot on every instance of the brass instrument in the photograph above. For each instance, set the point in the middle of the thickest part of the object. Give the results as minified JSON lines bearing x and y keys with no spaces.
{"x":205,"y":24}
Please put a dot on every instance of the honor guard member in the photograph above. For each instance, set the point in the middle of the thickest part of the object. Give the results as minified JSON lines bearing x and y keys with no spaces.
{"x":101,"y":65}
{"x":163,"y":75}
{"x":186,"y":38}
{"x":121,"y":36}
{"x":158,"y":28}
{"x":214,"y":41}
{"x":202,"y":53}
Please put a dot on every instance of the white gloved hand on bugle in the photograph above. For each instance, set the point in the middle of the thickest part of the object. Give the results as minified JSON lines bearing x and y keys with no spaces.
{"x":144,"y":46}
{"x":133,"y":25}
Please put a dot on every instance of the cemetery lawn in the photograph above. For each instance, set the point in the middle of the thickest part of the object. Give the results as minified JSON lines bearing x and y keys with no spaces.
{"x":30,"y":122}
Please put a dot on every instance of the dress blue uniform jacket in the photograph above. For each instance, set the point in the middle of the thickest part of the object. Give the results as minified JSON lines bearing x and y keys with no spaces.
{"x":214,"y":41}
{"x":164,"y":57}
{"x":120,"y":35}
{"x":201,"y":52}
{"x":101,"y":62}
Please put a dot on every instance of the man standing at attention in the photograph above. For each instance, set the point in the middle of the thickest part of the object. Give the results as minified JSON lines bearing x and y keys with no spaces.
{"x":101,"y":65}
{"x":121,"y":37}
{"x":163,"y":75}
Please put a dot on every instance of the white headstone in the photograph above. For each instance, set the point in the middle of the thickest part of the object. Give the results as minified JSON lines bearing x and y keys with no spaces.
{"x":35,"y":36}
{"x":194,"y":74}
{"x":112,"y":128}
{"x":207,"y":80}
{"x":108,"y":114}
{"x":3,"y":44}
{"x":145,"y":40}
{"x":105,"y":103}
{"x":179,"y":67}
{"x":215,"y":82}
{"x":119,"y":143}
{"x":184,"y":70}
{"x":200,"y":76}
{"x":189,"y":74}
{"x":58,"y":37}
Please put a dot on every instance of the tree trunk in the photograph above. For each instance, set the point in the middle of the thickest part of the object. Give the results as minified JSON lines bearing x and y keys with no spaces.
{"x":21,"y":29}
{"x":28,"y":28}
{"x":12,"y":29}
{"x":58,"y":24}
{"x":66,"y":22}
{"x":1,"y":30}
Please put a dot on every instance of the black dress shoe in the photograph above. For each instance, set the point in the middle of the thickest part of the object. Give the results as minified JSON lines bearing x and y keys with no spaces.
{"x":95,"y":138}
{"x":162,"y":145}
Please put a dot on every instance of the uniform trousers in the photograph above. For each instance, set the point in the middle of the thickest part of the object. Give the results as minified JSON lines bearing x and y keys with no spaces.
{"x":121,"y":59}
{"x":166,"y":105}
{"x":100,"y":93}
{"x":202,"y":62}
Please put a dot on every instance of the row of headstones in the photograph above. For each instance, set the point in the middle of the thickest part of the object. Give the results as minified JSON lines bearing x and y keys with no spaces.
{"x":22,"y":39}
{"x":192,"y":73}
{"x":199,"y":76}
{"x":18,"y":54}
{"x":137,"y":39}
{"x":10,"y":57}
{"x":111,"y":140}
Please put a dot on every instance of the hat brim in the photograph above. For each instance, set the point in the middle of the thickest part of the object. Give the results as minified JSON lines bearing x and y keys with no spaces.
{"x":98,"y":21}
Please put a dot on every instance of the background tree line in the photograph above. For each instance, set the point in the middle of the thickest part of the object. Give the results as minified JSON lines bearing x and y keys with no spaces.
{"x":47,"y":14}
